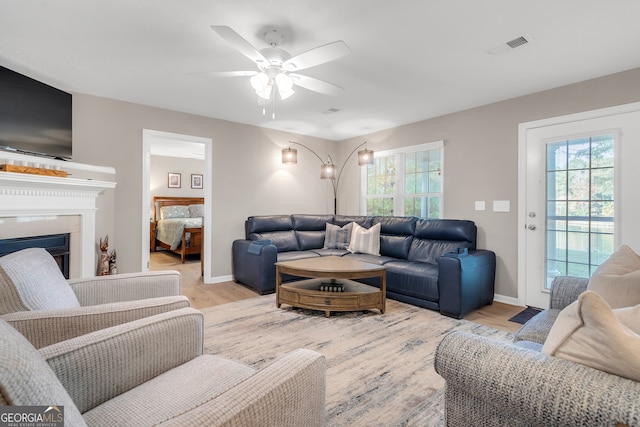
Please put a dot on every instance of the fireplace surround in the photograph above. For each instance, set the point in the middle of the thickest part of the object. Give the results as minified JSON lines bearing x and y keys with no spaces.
{"x":36,"y":205}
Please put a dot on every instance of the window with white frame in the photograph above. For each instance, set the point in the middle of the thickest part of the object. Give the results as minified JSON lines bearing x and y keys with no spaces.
{"x":405,"y":182}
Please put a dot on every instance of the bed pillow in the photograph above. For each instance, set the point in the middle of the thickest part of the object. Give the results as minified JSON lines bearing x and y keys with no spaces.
{"x":196,"y":211}
{"x":336,"y":237}
{"x":589,"y":332}
{"x":168,"y":212}
{"x":365,"y":240}
{"x":617,"y":280}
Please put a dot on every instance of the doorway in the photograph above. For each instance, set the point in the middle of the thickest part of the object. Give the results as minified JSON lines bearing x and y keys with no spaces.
{"x":576,"y":195}
{"x":152,"y":139}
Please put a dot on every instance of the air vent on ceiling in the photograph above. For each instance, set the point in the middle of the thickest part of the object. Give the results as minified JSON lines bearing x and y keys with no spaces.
{"x":510,"y":45}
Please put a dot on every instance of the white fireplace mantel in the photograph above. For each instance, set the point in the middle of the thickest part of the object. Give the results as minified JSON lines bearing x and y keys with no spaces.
{"x":25,"y":196}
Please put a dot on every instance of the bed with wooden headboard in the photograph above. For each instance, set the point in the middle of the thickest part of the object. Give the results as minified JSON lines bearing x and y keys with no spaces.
{"x":181,"y":231}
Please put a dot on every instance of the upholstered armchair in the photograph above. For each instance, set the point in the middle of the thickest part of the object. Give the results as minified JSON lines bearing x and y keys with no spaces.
{"x":152,"y":371}
{"x":495,"y":383}
{"x":41,"y":304}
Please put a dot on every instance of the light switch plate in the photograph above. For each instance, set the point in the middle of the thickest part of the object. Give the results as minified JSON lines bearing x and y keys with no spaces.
{"x":480,"y":205}
{"x":501,"y":206}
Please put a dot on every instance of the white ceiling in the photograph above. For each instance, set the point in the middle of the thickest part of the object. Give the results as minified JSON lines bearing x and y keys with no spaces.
{"x":410,"y":60}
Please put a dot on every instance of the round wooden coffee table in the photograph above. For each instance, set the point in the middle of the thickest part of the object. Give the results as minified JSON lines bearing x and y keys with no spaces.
{"x":339,"y":271}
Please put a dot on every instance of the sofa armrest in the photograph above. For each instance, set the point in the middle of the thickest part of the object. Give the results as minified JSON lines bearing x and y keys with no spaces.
{"x":126,"y":287}
{"x":565,"y":290}
{"x":47,"y":327}
{"x":290,"y":392}
{"x":257,"y":271}
{"x":465,"y":281}
{"x":498,"y":383}
{"x":96,"y":367}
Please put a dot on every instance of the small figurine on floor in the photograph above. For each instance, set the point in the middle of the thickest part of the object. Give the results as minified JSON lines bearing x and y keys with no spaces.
{"x":113,"y":268}
{"x":103,"y":266}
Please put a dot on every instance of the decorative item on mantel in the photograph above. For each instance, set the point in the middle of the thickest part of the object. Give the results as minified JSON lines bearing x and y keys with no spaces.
{"x":113,"y":267}
{"x":32,"y":170}
{"x":103,"y":266}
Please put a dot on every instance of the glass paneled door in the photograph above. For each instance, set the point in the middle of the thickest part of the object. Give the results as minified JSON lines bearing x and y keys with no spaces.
{"x":579,"y":205}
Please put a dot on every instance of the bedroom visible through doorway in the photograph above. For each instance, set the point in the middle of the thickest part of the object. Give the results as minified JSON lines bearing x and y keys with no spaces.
{"x":175,"y":165}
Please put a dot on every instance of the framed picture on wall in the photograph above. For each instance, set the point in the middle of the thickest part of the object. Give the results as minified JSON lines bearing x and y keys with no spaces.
{"x":196,"y":180}
{"x":174,"y":180}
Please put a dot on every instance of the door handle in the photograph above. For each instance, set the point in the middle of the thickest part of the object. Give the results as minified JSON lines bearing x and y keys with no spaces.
{"x":531,"y":227}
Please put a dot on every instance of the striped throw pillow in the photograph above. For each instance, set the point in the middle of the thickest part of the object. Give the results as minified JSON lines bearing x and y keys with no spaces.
{"x":337,"y":237}
{"x":365,"y":241}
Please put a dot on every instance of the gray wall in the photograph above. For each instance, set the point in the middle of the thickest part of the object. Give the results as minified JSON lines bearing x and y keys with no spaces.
{"x":481,"y":151}
{"x":481,"y":157}
{"x":248,"y":177}
{"x":161,"y":166}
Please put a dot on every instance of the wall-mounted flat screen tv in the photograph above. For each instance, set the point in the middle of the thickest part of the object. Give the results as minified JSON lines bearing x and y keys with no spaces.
{"x":35,"y":118}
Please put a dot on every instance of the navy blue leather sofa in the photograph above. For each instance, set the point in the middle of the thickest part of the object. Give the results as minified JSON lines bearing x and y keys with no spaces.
{"x":430,"y":263}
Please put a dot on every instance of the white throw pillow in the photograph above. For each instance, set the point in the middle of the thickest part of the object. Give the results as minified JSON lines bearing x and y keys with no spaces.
{"x":617,"y":280}
{"x":589,"y":332}
{"x":365,"y":240}
{"x":31,"y":279}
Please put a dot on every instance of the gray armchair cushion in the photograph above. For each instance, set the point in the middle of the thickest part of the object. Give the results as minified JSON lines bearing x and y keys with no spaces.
{"x":31,"y":279}
{"x":27,"y":379}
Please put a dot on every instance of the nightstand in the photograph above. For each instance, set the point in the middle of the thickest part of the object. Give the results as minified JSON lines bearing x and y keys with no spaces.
{"x":152,"y":236}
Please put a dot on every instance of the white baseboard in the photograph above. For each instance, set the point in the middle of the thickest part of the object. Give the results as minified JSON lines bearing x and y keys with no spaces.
{"x":218,"y":279}
{"x":506,"y":300}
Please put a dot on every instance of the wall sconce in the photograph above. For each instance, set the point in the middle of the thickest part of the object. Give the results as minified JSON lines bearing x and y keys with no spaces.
{"x":328,"y":169}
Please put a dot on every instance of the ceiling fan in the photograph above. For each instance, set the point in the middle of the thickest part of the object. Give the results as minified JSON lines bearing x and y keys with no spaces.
{"x":277,"y":68}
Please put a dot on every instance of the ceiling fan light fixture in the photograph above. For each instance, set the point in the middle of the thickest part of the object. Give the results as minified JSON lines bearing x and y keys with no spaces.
{"x":285,"y":85}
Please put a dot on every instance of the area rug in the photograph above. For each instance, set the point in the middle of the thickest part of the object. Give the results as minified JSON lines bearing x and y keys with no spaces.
{"x":379,"y":367}
{"x":526,"y":314}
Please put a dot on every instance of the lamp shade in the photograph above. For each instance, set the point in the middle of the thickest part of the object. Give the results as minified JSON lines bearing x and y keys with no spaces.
{"x":327,"y":171}
{"x":365,"y":157}
{"x":289,"y":156}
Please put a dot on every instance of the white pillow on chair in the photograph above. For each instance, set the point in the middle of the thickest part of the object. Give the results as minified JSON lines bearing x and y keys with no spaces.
{"x":617,"y":280}
{"x":589,"y":332}
{"x":31,"y":279}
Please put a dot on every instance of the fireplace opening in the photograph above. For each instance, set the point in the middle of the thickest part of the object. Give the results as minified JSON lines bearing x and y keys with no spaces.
{"x":56,"y":244}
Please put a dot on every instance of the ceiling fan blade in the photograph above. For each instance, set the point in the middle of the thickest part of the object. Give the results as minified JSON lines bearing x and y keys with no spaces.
{"x":316,"y":85}
{"x":236,"y":40}
{"x":227,"y":73}
{"x":317,"y":56}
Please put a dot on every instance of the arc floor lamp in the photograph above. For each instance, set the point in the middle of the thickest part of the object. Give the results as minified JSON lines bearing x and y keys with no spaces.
{"x":328,"y":169}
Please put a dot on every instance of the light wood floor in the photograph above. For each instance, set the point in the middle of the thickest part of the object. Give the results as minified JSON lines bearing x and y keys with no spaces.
{"x":496,"y":315}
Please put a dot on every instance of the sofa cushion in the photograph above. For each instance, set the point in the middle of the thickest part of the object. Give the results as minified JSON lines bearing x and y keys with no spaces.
{"x":365,"y":240}
{"x":415,"y":279}
{"x":265,"y":223}
{"x":284,"y":241}
{"x":337,"y":237}
{"x":537,"y":328}
{"x":31,"y":279}
{"x":589,"y":332}
{"x":363,"y":221}
{"x":26,"y":379}
{"x":617,"y":280}
{"x":310,"y":239}
{"x":309,"y":222}
{"x":462,"y":231}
